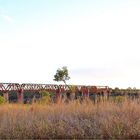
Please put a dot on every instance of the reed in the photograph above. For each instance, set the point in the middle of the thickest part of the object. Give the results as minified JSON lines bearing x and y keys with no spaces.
{"x":105,"y":119}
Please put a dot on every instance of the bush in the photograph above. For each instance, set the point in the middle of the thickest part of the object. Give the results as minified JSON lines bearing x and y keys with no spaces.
{"x":2,"y":100}
{"x":45,"y":93}
{"x":46,"y":99}
{"x":119,"y":98}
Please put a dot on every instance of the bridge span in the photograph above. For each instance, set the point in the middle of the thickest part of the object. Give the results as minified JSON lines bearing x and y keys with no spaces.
{"x":20,"y":89}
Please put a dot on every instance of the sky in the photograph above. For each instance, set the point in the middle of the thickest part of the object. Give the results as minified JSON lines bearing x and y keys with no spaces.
{"x":98,"y":41}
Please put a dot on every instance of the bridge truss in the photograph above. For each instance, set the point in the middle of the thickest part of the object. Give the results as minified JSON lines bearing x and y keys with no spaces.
{"x":5,"y":88}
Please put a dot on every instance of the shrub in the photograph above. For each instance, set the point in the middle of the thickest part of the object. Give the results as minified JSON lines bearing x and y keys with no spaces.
{"x":119,"y":98}
{"x":2,"y":100}
{"x":45,"y":93}
{"x":45,"y":99}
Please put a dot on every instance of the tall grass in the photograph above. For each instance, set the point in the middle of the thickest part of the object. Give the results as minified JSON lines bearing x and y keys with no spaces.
{"x":106,"y":119}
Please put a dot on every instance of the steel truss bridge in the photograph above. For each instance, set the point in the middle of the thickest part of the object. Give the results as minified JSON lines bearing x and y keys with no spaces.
{"x":5,"y":88}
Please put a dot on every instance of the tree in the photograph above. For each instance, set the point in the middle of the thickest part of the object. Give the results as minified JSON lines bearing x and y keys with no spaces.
{"x":62,"y":75}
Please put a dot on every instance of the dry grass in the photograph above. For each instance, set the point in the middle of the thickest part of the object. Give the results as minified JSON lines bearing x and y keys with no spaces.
{"x":74,"y":120}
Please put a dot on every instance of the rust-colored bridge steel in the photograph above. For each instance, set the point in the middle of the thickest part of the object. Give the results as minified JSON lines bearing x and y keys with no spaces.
{"x":5,"y":88}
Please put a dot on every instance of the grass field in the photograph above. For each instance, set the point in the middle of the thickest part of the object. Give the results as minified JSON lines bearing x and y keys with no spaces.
{"x":107,"y":119}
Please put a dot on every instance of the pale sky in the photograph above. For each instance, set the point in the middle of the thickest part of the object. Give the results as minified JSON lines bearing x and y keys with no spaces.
{"x":98,"y":40}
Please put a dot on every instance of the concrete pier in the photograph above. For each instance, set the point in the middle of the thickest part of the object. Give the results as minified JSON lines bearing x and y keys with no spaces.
{"x":6,"y":96}
{"x":58,"y":96}
{"x":20,"y":96}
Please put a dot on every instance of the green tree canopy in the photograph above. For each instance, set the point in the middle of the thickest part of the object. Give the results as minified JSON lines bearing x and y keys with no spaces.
{"x":62,"y":75}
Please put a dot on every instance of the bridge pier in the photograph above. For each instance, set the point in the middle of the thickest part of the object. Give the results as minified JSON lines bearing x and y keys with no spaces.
{"x":20,"y":96}
{"x":58,"y":96}
{"x":6,"y":96}
{"x":85,"y":92}
{"x":72,"y":96}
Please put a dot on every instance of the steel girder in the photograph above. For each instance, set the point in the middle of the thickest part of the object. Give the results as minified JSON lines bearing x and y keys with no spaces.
{"x":16,"y":87}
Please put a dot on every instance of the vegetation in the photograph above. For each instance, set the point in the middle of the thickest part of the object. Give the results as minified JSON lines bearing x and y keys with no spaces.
{"x":106,"y":119}
{"x":46,"y":97}
{"x":45,"y":93}
{"x":2,"y":100}
{"x":62,"y":75}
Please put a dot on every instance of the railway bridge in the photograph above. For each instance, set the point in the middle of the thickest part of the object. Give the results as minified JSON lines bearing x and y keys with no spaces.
{"x":20,"y":89}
